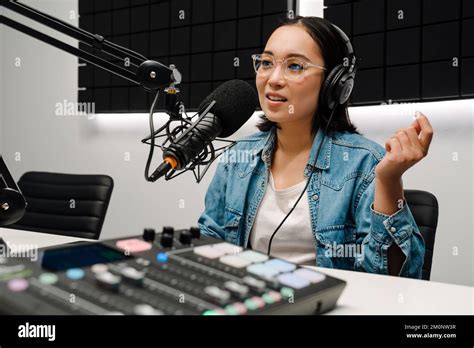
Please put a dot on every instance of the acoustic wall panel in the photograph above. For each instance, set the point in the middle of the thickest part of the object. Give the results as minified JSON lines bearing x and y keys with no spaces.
{"x":408,"y":50}
{"x":210,"y":41}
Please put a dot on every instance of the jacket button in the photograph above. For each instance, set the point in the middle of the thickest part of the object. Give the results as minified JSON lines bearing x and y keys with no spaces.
{"x":315,"y":197}
{"x":392,"y":229}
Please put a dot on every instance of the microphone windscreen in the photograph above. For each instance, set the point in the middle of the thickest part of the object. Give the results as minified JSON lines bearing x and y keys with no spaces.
{"x":236,"y":102}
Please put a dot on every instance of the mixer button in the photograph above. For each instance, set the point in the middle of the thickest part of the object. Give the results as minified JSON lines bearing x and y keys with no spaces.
{"x":293,"y":281}
{"x":262,"y":271}
{"x":228,"y":248}
{"x":250,"y":304}
{"x":234,"y":261}
{"x":217,"y":311}
{"x":231,"y":310}
{"x":237,"y":307}
{"x":162,"y":257}
{"x":254,"y":256}
{"x":48,"y":278}
{"x":99,"y":268}
{"x":271,"y":297}
{"x":75,"y":273}
{"x":208,"y":251}
{"x":312,"y":276}
{"x":280,"y":265}
{"x":133,"y":245}
{"x":259,"y":302}
{"x":287,"y":292}
{"x":18,"y":285}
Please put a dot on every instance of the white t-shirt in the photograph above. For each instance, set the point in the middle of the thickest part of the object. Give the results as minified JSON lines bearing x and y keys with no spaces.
{"x":294,"y":241}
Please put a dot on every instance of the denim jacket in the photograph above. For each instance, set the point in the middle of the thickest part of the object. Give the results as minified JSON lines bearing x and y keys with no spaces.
{"x":348,"y":233}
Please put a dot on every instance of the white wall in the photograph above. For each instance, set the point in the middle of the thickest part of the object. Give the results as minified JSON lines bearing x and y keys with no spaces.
{"x":76,"y":144}
{"x":447,"y":172}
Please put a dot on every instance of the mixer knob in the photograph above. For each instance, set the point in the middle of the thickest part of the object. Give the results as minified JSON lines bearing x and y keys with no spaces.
{"x":168,"y":230}
{"x":149,"y":234}
{"x":255,"y":284}
{"x":217,"y":295}
{"x":108,"y":281}
{"x":146,"y":309}
{"x":133,"y":276}
{"x":185,"y":237}
{"x":195,"y":232}
{"x":239,"y":290}
{"x":166,"y":240}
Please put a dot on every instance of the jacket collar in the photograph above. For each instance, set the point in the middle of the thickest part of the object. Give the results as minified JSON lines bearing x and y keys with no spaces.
{"x":267,"y":143}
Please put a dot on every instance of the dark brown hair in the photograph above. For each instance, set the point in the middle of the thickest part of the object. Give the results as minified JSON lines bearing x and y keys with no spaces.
{"x":333,"y":50}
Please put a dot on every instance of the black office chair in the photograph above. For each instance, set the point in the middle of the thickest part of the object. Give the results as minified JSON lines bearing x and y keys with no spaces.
{"x":424,"y":207}
{"x":66,"y":204}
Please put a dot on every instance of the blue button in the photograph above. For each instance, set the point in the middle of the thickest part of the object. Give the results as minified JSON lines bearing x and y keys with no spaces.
{"x":293,"y":281}
{"x":280,"y":265}
{"x":162,"y":257}
{"x":262,"y":271}
{"x":75,"y":273}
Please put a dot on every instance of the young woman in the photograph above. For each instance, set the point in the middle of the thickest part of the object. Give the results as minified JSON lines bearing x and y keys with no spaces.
{"x":353,"y":214}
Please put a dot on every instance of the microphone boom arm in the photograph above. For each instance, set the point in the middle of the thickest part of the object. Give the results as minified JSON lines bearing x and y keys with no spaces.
{"x":151,"y":75}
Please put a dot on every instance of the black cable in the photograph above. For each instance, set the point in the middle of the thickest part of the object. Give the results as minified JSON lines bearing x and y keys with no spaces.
{"x":307,"y":183}
{"x":152,"y":138}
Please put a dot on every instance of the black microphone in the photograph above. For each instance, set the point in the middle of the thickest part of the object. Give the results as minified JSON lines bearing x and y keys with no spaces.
{"x":232,"y":104}
{"x":12,"y":202}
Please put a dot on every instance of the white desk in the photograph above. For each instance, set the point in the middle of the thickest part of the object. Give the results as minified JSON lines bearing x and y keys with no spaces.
{"x":364,"y":293}
{"x":35,"y":239}
{"x":376,"y":294}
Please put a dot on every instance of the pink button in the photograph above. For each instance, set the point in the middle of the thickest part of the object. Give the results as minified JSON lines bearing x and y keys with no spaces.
{"x":18,"y":285}
{"x":133,"y":245}
{"x":240,"y":307}
{"x":258,"y":301}
{"x":275,"y":296}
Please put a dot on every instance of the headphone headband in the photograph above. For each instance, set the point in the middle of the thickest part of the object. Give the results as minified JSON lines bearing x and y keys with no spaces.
{"x":349,"y":49}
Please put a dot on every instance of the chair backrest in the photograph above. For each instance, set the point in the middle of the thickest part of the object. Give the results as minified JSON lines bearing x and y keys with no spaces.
{"x":66,"y":204}
{"x":424,"y":207}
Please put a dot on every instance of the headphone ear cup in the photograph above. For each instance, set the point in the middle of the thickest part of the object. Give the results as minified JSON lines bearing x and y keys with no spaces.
{"x":344,"y":88}
{"x":329,"y":86}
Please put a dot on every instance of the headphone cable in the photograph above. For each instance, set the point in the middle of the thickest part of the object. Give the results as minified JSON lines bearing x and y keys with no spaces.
{"x":307,"y":183}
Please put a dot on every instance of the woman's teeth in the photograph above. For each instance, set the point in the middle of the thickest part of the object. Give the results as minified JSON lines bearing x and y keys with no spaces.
{"x":274,"y":98}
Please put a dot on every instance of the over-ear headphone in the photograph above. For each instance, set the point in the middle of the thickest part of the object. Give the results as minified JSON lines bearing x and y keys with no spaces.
{"x":337,"y":87}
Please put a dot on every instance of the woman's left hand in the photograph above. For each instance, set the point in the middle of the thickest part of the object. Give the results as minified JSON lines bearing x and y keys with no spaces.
{"x":404,"y":149}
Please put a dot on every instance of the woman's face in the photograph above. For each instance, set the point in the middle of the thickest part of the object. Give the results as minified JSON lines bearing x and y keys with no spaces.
{"x":300,"y":96}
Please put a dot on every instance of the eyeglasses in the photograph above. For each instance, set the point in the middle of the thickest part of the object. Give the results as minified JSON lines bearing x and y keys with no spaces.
{"x":294,"y":68}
